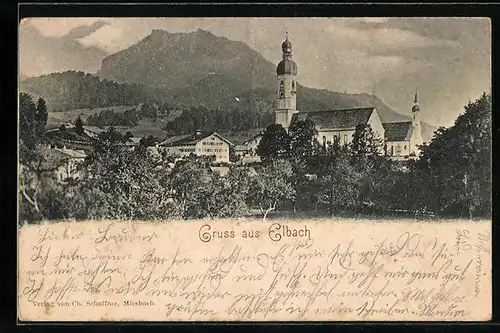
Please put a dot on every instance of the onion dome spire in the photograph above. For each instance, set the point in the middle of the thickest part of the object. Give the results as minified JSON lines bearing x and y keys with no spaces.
{"x":286,"y":47}
{"x":287,"y":65}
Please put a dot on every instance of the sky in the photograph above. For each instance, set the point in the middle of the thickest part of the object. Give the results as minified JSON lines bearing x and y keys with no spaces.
{"x":448,"y":60}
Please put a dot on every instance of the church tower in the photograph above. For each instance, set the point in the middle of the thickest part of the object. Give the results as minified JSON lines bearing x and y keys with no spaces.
{"x":416,"y":137}
{"x":287,"y":86}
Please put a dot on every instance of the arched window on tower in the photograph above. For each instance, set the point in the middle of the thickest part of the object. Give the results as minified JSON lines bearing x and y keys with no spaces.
{"x":281,"y":92}
{"x":293,"y":85}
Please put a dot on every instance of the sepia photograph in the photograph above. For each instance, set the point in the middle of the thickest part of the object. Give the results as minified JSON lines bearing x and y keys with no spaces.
{"x":243,"y":169}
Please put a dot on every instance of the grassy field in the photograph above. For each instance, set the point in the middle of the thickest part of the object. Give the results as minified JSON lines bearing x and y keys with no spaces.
{"x":145,"y":126}
{"x":71,"y":115}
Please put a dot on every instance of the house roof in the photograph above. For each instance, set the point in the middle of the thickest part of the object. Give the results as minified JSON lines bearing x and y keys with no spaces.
{"x":253,"y":138}
{"x":400,"y":131}
{"x":71,"y":153}
{"x":240,"y":147}
{"x":190,"y":139}
{"x":94,"y":129}
{"x":55,"y":157}
{"x":345,"y":118}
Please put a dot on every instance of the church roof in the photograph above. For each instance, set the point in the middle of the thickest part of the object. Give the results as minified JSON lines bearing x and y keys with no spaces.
{"x":345,"y":118}
{"x":400,"y":131}
{"x":190,"y":139}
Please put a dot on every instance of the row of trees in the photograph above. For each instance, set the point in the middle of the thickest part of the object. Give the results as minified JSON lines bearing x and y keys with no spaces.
{"x":130,"y":117}
{"x":240,"y":118}
{"x":111,"y":118}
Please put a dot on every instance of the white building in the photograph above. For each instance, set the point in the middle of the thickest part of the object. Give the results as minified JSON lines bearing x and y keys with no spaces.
{"x":199,"y":144}
{"x":247,"y":151}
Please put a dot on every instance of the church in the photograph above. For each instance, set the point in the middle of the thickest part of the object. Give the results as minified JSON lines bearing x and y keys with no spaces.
{"x":401,"y":138}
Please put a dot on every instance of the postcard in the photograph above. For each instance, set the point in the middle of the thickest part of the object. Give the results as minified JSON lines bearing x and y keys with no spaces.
{"x":254,"y":169}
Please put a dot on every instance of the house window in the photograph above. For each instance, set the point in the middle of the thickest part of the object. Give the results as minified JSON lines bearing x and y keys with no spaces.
{"x":324,"y":141}
{"x":392,"y":150}
{"x":336,"y":139}
{"x":345,"y":139}
{"x":405,"y":147}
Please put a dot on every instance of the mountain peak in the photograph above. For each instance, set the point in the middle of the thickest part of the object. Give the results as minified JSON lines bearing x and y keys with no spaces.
{"x":164,"y":33}
{"x":171,"y":60}
{"x":159,"y":32}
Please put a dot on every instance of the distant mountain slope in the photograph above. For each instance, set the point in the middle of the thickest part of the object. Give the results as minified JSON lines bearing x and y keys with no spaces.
{"x":74,"y":90}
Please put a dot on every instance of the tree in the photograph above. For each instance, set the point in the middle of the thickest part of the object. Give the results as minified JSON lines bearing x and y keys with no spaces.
{"x":271,"y":185}
{"x":337,"y":182}
{"x":190,"y":185}
{"x":123,"y":183}
{"x":32,"y":122}
{"x":303,"y":146}
{"x":232,"y":154}
{"x":275,"y":143}
{"x":303,"y":143}
{"x":79,"y":126}
{"x":148,"y":141}
{"x":366,"y":147}
{"x":41,"y":114}
{"x":34,"y":168}
{"x":128,"y":136}
{"x":228,"y":195}
{"x":455,"y":167}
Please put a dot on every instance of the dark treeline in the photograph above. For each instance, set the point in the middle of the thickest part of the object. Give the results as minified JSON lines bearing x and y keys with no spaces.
{"x":129,"y":117}
{"x":237,"y":118}
{"x":78,"y":90}
{"x":297,"y":174}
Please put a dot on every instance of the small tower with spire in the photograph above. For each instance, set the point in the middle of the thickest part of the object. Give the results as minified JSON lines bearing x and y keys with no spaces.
{"x":416,"y":137}
{"x":287,"y":86}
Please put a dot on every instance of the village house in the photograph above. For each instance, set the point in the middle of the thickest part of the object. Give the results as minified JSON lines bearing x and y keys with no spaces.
{"x":247,"y":151}
{"x":63,"y":162}
{"x":199,"y":144}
